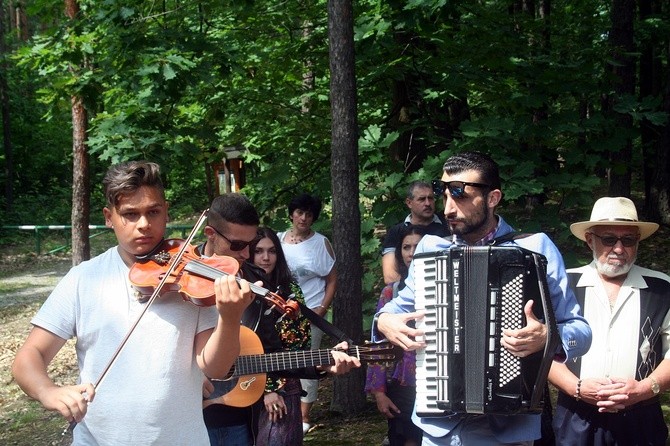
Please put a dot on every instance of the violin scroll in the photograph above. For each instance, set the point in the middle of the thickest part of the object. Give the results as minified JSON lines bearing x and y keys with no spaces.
{"x":290,"y":308}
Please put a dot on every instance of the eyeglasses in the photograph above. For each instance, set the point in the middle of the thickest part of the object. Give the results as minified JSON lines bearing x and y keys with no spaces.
{"x":237,"y":245}
{"x":610,"y":240}
{"x":456,"y":188}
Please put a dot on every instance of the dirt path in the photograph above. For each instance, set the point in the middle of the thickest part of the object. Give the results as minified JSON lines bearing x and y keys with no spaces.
{"x":24,"y":284}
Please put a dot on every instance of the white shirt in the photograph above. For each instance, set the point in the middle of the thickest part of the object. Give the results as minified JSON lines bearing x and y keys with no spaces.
{"x":616,"y":331}
{"x":310,"y":262}
{"x":152,"y":394}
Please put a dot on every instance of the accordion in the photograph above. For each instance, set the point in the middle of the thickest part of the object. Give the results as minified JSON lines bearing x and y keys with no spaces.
{"x":470,"y":295}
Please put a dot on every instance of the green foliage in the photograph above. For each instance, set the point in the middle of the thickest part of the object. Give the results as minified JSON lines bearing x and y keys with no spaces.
{"x":177,"y":83}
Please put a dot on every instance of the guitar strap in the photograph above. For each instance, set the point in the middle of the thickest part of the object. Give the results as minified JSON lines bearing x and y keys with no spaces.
{"x":325,"y":326}
{"x":510,"y":236}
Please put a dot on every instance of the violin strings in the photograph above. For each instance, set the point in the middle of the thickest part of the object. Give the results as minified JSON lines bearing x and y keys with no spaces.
{"x":204,"y":270}
{"x":209,"y":272}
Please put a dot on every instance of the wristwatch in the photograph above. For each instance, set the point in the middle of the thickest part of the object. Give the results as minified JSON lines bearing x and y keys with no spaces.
{"x":655,"y":388}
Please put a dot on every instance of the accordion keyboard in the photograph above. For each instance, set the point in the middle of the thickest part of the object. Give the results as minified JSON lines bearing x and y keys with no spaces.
{"x":425,"y":270}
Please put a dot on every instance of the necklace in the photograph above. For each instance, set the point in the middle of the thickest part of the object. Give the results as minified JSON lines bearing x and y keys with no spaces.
{"x":294,"y":238}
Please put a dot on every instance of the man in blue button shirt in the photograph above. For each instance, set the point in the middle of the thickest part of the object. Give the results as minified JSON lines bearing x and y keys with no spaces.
{"x":471,"y":190}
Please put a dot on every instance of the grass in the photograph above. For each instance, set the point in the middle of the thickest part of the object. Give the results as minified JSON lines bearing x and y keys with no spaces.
{"x":12,"y":287}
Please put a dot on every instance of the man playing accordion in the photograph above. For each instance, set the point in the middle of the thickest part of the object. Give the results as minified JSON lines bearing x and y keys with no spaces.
{"x":471,"y":191}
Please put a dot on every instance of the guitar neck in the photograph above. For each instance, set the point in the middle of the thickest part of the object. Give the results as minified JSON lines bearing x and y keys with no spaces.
{"x":276,"y":362}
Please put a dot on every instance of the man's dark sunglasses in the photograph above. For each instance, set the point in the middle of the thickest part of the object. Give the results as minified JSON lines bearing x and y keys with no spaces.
{"x":237,"y":245}
{"x":456,"y":188}
{"x":610,"y":240}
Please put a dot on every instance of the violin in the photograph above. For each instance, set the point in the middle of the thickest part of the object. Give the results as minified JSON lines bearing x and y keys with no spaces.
{"x":193,"y":276}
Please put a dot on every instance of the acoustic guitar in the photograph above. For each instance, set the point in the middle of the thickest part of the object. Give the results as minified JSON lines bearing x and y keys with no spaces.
{"x":245,"y":381}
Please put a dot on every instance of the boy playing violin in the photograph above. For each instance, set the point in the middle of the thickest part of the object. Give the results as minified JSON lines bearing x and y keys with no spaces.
{"x":152,"y":392}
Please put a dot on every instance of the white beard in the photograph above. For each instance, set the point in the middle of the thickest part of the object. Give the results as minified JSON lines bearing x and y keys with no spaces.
{"x":609,"y":270}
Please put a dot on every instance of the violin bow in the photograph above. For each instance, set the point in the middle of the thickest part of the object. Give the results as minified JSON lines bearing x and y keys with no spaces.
{"x":175,"y":261}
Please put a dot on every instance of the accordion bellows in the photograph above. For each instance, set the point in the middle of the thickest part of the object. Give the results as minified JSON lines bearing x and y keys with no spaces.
{"x":469,"y":295}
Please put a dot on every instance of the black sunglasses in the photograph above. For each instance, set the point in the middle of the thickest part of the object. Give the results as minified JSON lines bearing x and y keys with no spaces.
{"x":456,"y":188}
{"x":238,"y":245}
{"x":610,"y":240}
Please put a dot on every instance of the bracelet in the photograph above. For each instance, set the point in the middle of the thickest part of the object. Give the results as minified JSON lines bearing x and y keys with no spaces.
{"x":321,"y":306}
{"x":578,"y":392}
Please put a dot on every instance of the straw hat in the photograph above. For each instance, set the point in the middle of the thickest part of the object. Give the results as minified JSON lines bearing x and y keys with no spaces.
{"x":613,"y":211}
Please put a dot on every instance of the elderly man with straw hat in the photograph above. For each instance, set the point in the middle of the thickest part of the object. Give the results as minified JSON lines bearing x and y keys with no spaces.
{"x":610,"y":396}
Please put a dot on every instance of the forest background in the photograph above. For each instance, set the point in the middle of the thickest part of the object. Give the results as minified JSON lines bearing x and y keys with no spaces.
{"x":347,"y":100}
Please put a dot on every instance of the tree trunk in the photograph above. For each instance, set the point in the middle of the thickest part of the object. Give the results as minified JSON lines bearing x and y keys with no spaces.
{"x":308,"y":77}
{"x":651,"y":85}
{"x":21,"y":21}
{"x":348,"y":390}
{"x":81,"y":193}
{"x":659,"y":192}
{"x":623,"y":75}
{"x":6,"y":122}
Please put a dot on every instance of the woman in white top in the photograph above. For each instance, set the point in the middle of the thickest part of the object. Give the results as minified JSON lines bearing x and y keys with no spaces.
{"x":311,"y":259}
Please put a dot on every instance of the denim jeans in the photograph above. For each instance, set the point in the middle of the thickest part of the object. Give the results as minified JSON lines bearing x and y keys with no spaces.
{"x":229,"y":436}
